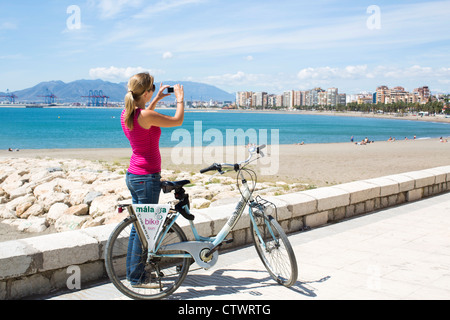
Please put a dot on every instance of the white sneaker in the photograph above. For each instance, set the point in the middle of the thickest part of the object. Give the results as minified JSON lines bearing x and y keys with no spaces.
{"x":146,"y":286}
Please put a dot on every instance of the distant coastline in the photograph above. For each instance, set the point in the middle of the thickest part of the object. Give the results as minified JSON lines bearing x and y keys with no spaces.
{"x":412,"y":117}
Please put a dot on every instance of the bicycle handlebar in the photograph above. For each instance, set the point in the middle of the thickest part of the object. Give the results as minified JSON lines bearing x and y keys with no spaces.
{"x":215,"y":166}
{"x":218,"y":167}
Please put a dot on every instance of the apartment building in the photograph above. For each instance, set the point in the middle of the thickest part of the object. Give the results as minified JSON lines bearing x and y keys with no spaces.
{"x":399,"y":94}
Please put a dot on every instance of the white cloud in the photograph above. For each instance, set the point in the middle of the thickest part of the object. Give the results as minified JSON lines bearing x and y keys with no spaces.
{"x":164,"y":6}
{"x":241,"y":81}
{"x":167,"y":55}
{"x":249,"y":58}
{"x":7,"y":26}
{"x":381,"y":72}
{"x":118,"y":74}
{"x":110,"y":8}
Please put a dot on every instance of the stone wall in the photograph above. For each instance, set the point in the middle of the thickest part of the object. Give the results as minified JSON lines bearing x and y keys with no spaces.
{"x":44,"y":264}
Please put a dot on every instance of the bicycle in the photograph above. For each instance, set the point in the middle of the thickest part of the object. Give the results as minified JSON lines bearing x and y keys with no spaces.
{"x":167,"y":262}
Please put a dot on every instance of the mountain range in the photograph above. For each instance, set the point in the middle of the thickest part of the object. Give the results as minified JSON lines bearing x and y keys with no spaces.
{"x":77,"y":91}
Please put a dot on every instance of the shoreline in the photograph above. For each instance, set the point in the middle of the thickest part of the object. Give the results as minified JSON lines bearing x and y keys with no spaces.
{"x":319,"y":164}
{"x":358,"y":114}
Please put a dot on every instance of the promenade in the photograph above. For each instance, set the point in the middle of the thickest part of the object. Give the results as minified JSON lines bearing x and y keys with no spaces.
{"x":398,"y":253}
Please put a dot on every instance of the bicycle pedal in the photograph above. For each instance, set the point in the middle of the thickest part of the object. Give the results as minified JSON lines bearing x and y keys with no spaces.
{"x":228,"y":241}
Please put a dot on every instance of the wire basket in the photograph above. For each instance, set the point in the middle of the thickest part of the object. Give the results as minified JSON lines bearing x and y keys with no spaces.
{"x":262,"y":206}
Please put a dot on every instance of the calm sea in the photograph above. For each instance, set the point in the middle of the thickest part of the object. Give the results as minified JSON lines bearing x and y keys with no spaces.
{"x":100,"y":128}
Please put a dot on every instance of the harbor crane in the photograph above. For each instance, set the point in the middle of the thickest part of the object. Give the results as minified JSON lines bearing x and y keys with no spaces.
{"x":96,"y":98}
{"x":11,"y":97}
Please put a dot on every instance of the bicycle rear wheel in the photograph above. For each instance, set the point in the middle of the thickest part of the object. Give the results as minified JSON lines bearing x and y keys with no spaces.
{"x":274,"y":250}
{"x":163,"y":275}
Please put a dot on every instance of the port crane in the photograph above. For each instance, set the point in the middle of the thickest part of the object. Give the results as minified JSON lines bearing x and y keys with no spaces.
{"x":10,"y":96}
{"x":49,"y":97}
{"x":96,"y":98}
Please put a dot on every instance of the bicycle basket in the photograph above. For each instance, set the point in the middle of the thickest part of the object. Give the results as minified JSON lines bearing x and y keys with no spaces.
{"x":265,"y":207}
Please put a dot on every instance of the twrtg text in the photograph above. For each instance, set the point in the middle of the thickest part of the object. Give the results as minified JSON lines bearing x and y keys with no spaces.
{"x":213,"y":146}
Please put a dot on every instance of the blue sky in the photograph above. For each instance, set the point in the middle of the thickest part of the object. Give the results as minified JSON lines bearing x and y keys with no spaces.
{"x":241,"y":45}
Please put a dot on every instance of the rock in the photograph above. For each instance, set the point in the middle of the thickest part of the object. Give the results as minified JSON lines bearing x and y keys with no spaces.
{"x":200,"y":203}
{"x":94,"y":222}
{"x":45,"y":189}
{"x":33,"y":225}
{"x":49,"y":199}
{"x":56,"y":211}
{"x":104,"y":205}
{"x":11,"y":186}
{"x":68,"y":223}
{"x":6,"y":213}
{"x":90,"y":196}
{"x":78,"y":210}
{"x":35,"y":210}
{"x":12,"y":205}
{"x":24,"y":206}
{"x":20,"y":192}
{"x":66,"y":186}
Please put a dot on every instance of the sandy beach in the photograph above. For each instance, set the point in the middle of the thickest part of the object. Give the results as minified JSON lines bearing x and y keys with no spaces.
{"x":315,"y":164}
{"x":300,"y":166}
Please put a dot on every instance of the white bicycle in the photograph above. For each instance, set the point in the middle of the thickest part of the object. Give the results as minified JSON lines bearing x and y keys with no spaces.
{"x":167,"y":261}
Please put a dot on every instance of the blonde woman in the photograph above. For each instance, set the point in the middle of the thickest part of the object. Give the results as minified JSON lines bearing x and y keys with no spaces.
{"x":142,"y":126}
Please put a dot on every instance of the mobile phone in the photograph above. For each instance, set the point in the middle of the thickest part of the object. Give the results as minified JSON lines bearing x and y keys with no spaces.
{"x":170,"y":90}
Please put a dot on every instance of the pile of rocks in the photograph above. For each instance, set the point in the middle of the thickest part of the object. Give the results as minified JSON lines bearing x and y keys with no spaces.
{"x":36,"y":194}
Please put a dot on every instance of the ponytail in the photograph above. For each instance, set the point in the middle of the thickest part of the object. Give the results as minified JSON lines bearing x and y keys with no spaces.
{"x":137,"y":86}
{"x":130,"y":109}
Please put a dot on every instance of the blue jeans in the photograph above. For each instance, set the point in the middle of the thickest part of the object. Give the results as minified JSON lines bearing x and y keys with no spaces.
{"x":145,"y":189}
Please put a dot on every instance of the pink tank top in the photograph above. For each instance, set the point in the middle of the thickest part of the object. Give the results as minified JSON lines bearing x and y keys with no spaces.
{"x":146,"y":157}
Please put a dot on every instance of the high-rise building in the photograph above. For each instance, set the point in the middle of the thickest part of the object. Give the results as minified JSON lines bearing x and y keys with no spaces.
{"x":382,"y":93}
{"x":342,"y":98}
{"x":244,"y":99}
{"x":288,"y":99}
{"x":259,"y":99}
{"x":298,"y":98}
{"x":423,"y":93}
{"x":332,"y":97}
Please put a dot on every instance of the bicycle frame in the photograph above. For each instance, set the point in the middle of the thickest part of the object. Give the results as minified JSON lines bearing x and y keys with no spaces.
{"x":204,"y":249}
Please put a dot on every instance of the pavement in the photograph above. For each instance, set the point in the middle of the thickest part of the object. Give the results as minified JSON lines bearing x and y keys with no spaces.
{"x":394,"y":254}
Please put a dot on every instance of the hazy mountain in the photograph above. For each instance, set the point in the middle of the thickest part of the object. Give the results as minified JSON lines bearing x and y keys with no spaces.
{"x":74,"y":91}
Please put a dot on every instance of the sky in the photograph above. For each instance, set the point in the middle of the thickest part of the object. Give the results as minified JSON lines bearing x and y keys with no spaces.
{"x":244,"y":45}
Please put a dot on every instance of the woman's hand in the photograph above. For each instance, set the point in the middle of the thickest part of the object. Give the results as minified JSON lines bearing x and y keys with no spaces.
{"x":179,"y":92}
{"x":161,"y":95}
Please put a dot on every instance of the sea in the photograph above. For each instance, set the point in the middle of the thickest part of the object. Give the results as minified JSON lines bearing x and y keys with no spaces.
{"x":73,"y":128}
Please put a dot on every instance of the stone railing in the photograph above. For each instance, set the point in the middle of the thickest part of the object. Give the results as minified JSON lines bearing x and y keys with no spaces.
{"x":40,"y":265}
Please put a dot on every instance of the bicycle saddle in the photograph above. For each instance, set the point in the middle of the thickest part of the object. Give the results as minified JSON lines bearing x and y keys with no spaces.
{"x":169,"y":186}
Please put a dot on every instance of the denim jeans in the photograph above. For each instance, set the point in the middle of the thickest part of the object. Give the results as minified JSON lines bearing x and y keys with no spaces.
{"x":145,"y":189}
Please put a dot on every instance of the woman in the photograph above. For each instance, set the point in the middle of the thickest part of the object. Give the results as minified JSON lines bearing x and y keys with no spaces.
{"x":142,"y":126}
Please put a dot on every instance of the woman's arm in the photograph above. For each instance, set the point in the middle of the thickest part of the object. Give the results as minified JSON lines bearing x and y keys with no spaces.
{"x":152,"y":118}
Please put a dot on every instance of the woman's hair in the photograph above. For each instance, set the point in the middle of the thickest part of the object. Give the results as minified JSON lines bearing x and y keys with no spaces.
{"x":137,"y":86}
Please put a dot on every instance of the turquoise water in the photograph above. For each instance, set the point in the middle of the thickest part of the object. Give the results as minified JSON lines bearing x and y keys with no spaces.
{"x":100,"y":128}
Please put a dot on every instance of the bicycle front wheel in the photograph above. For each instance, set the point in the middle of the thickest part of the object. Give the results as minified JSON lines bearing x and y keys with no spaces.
{"x":160,"y":276}
{"x":275,"y":250}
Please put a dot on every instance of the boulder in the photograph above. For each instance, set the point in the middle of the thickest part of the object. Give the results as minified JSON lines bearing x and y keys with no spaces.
{"x":104,"y":205}
{"x":56,"y":211}
{"x":78,"y":210}
{"x":35,"y":210}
